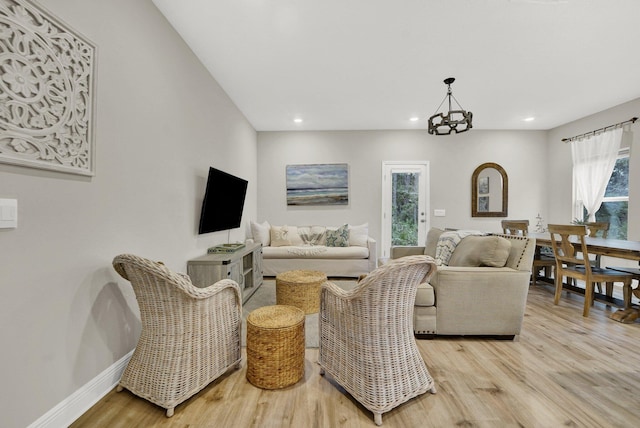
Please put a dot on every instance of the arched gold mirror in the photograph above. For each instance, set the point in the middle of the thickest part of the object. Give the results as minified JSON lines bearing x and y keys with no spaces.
{"x":489,"y":191}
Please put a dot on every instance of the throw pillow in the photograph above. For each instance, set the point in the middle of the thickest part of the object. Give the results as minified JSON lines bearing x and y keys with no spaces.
{"x":294,"y":235}
{"x":448,"y":242}
{"x":432,"y":241}
{"x":261,"y":233}
{"x":474,"y":251}
{"x":312,"y":235}
{"x":358,"y":235}
{"x":280,"y":236}
{"x":338,"y":237}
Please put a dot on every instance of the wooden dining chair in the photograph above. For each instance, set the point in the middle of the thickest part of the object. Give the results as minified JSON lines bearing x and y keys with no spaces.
{"x":569,"y":240}
{"x":515,"y":227}
{"x":598,"y":229}
{"x":628,"y":315}
{"x":540,"y":261}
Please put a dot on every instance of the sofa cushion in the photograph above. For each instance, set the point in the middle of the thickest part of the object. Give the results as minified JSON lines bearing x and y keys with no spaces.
{"x":425,"y":295}
{"x":312,"y":235}
{"x":285,"y":236}
{"x":448,"y":242}
{"x":359,"y":234}
{"x":338,"y":237}
{"x":261,"y":233}
{"x":315,"y":252}
{"x":432,"y":241}
{"x":492,"y":251}
{"x":520,"y":255}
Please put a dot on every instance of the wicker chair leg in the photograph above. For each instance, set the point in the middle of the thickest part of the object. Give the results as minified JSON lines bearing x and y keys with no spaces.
{"x":377,"y":418}
{"x":119,"y":388}
{"x":321,"y":371}
{"x":433,"y":389}
{"x":170,"y":412}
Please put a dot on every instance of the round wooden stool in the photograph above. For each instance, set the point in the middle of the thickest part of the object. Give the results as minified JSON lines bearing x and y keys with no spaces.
{"x":300,"y":288}
{"x":275,"y":346}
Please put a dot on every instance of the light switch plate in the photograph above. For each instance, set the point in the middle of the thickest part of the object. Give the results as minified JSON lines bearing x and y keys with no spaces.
{"x":439,"y":213}
{"x":8,"y":213}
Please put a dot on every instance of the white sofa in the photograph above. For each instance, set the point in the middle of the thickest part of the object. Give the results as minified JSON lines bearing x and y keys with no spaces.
{"x":481,"y":292}
{"x":345,"y":251}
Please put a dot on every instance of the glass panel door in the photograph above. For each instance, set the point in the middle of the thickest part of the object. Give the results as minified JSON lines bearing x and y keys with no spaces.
{"x":404,"y":211}
{"x":405,"y":192}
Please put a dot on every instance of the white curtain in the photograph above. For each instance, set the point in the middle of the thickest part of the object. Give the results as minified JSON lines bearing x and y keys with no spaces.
{"x":593,"y":161}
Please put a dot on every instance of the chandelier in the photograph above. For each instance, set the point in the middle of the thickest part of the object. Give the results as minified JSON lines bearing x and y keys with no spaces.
{"x":454,"y":120}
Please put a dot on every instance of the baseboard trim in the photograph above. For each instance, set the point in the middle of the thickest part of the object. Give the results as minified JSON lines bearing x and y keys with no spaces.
{"x":72,"y":407}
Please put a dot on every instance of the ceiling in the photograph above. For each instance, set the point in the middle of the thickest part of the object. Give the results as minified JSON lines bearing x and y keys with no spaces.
{"x":374,"y":64}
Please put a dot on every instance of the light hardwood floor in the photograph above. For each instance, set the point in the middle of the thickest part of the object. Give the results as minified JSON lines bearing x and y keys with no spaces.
{"x":563,"y":370}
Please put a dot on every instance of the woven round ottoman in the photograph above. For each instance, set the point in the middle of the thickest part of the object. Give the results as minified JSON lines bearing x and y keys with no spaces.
{"x":275,"y":346}
{"x":300,"y":288}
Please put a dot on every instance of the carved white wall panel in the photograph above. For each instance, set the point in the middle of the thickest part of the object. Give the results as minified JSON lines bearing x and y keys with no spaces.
{"x":46,"y":91}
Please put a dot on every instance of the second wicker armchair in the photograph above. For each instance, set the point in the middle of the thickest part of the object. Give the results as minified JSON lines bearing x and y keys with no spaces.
{"x":190,"y":336}
{"x":366,"y":336}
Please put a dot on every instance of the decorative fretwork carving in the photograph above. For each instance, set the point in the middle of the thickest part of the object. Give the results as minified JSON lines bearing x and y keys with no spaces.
{"x":46,"y":91}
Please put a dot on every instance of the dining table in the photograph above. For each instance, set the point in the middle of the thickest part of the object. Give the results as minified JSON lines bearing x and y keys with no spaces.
{"x":617,"y":248}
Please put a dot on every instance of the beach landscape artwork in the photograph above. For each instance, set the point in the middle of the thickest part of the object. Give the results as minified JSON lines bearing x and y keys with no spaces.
{"x":318,"y":184}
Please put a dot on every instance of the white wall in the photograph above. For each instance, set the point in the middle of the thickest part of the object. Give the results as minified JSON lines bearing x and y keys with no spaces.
{"x":65,"y":315}
{"x":452,"y":161}
{"x":162,"y":120}
{"x":560,"y":163}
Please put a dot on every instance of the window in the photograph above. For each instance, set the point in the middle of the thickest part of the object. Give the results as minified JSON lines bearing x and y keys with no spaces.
{"x":615,"y":205}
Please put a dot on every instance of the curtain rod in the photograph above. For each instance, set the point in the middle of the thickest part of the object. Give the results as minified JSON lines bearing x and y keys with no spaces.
{"x":632,"y":120}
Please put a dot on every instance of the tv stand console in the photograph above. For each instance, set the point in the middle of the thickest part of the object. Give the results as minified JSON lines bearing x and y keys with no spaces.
{"x":244,"y":266}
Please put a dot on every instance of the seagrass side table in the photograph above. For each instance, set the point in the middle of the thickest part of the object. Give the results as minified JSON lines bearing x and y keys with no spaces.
{"x":275,"y":346}
{"x":300,"y":288}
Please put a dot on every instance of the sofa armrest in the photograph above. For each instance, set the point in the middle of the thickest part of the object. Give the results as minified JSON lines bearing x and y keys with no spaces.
{"x":372,"y":246}
{"x":480,"y":300}
{"x":403,"y":251}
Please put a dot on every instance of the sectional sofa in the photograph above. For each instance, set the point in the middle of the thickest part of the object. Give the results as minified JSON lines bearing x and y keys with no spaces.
{"x":480,"y":291}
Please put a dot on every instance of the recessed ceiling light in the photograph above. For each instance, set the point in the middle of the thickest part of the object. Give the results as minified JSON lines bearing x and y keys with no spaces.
{"x":297,"y":120}
{"x":529,"y":119}
{"x":414,"y":119}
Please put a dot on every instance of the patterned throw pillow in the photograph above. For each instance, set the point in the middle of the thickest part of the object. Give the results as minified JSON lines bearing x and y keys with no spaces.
{"x":312,"y":235}
{"x":338,"y":237}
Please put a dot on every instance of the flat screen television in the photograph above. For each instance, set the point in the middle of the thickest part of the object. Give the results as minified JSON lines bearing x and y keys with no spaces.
{"x":223,"y":202}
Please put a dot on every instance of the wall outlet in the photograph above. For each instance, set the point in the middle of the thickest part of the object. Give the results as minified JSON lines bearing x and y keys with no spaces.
{"x":439,"y":213}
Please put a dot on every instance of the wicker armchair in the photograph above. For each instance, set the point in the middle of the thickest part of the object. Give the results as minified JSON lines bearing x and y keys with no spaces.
{"x":190,"y":336}
{"x":366,"y":336}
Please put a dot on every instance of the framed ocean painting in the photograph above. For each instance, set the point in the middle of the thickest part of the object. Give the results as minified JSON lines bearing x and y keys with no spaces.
{"x":318,"y":184}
